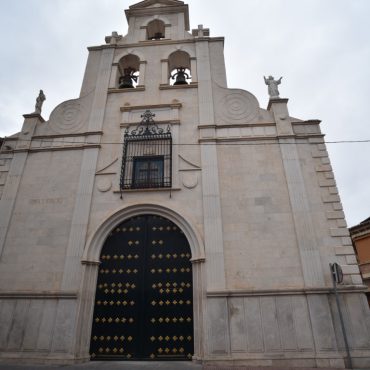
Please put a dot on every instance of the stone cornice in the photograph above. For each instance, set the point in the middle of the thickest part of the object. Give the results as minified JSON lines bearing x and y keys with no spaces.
{"x":307,"y":122}
{"x":155,"y":43}
{"x":34,"y":115}
{"x":56,"y":136}
{"x":361,"y":230}
{"x":277,"y":101}
{"x":264,"y":124}
{"x":55,"y":149}
{"x":258,"y":138}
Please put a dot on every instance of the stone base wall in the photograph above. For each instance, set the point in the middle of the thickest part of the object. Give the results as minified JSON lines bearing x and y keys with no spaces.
{"x":284,"y":329}
{"x":296,"y":329}
{"x":38,"y":328}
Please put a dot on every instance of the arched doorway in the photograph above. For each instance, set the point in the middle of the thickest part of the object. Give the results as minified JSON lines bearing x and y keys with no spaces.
{"x":144,"y":300}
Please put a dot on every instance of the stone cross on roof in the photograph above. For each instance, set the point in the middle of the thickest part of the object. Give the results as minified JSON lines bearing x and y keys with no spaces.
{"x":201,"y":32}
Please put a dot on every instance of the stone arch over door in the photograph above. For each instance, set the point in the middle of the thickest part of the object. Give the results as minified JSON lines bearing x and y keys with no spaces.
{"x":91,"y":265}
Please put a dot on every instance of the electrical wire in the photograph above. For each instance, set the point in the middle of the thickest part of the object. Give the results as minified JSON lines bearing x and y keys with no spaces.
{"x":205,"y":142}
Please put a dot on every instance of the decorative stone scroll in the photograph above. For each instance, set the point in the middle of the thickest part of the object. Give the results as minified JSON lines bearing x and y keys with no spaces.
{"x":236,"y":107}
{"x":71,"y":116}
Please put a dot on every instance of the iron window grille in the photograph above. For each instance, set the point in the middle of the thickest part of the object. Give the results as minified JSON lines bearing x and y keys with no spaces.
{"x":147,"y":156}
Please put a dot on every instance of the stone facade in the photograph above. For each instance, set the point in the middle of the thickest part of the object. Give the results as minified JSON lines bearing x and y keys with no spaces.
{"x":254,"y":193}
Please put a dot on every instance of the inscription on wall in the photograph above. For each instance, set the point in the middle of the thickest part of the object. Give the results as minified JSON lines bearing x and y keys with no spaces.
{"x":46,"y":201}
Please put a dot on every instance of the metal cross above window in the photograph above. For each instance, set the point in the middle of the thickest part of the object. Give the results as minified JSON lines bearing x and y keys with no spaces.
{"x":147,"y":156}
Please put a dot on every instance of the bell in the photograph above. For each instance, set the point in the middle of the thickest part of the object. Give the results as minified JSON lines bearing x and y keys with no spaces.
{"x":127,"y":80}
{"x":181,"y":77}
{"x":158,"y":36}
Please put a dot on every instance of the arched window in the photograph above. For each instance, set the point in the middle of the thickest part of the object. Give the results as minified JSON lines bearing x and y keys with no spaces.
{"x":128,"y":67}
{"x":156,"y":30}
{"x":179,"y":67}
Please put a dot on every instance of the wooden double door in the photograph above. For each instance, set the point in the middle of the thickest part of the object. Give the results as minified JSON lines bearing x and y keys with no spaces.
{"x":144,"y":300}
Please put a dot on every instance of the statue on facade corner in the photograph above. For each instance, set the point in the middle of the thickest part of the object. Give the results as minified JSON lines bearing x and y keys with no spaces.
{"x":273,"y":86}
{"x":39,"y":101}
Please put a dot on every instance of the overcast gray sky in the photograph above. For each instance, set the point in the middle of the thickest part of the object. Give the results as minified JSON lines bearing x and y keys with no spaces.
{"x":320,"y":47}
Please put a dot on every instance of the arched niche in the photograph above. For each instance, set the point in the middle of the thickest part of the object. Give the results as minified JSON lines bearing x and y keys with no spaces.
{"x":179,"y":67}
{"x":156,"y":30}
{"x":129,"y":71}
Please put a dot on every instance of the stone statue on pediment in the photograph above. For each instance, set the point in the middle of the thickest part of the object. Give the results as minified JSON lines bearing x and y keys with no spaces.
{"x":273,"y":86}
{"x":39,"y":101}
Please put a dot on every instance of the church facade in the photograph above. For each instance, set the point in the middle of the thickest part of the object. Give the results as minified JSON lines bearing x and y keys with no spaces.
{"x":162,"y":215}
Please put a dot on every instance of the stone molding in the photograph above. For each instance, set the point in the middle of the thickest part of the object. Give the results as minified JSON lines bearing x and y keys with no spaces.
{"x":237,"y":125}
{"x":164,"y":122}
{"x":76,"y":134}
{"x":253,"y":138}
{"x":98,"y":236}
{"x":307,"y":122}
{"x":192,"y":85}
{"x":130,"y":108}
{"x":38,"y":295}
{"x":279,"y":292}
{"x":79,"y":147}
{"x":116,"y":191}
{"x":121,"y":91}
{"x":276,"y":101}
{"x":47,"y":144}
{"x":34,"y":115}
{"x":164,"y":114}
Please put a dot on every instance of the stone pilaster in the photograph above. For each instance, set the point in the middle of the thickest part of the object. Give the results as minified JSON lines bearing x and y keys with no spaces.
{"x":80,"y":218}
{"x":213,"y":235}
{"x":10,"y":191}
{"x":306,"y":239}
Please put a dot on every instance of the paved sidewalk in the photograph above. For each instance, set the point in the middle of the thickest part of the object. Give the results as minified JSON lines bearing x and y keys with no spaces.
{"x":109,"y":366}
{"x":137,"y":366}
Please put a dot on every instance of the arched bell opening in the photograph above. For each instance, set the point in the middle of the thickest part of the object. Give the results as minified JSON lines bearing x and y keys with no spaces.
{"x":156,"y":30}
{"x":128,"y":67}
{"x":179,"y":65}
{"x":144,"y":294}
